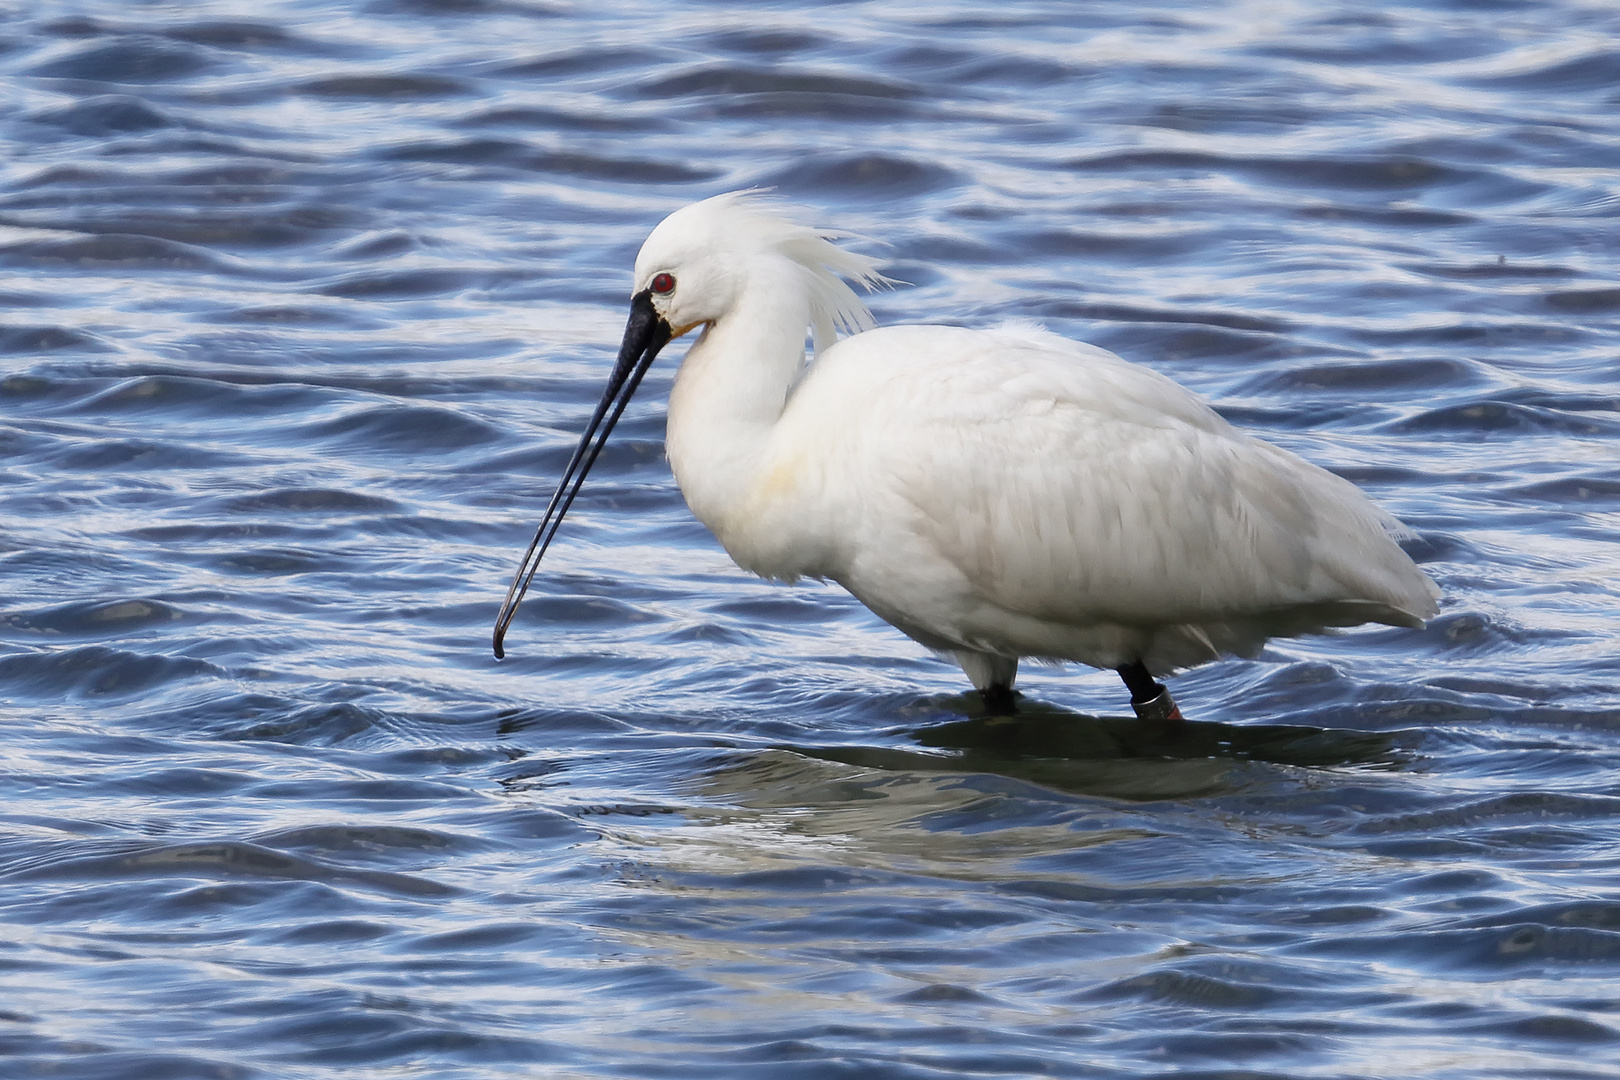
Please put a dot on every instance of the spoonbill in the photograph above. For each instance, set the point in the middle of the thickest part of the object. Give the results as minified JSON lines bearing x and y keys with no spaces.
{"x":993,"y":494}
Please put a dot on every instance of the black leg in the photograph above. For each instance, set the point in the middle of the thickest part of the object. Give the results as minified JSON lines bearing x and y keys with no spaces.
{"x":999,"y":699}
{"x":1149,"y":698}
{"x":1141,"y":684}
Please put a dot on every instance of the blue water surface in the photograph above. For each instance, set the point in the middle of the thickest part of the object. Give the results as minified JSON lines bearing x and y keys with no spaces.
{"x":303,"y":306}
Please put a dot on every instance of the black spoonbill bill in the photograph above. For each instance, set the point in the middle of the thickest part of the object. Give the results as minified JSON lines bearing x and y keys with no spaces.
{"x":993,"y":494}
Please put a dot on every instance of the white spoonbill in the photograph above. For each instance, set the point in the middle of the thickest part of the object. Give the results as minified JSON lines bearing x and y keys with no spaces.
{"x":993,"y":494}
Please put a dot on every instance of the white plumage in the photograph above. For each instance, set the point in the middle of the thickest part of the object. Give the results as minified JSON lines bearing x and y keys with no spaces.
{"x":994,"y":494}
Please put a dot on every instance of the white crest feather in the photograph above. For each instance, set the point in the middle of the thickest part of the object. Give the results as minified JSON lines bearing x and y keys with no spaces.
{"x":834,"y":305}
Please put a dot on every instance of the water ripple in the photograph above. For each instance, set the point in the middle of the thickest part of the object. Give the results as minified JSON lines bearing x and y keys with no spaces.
{"x":307,"y":307}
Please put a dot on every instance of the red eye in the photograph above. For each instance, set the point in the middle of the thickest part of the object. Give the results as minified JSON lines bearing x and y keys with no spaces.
{"x":662,"y":283}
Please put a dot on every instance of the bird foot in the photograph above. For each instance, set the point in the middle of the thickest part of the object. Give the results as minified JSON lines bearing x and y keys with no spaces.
{"x":999,"y":700}
{"x":1160,"y":709}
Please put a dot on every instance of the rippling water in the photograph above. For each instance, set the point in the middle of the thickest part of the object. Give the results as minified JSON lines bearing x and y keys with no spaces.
{"x":304,"y":304}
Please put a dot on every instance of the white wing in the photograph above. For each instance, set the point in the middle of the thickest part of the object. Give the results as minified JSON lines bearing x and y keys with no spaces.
{"x":1026,"y":487}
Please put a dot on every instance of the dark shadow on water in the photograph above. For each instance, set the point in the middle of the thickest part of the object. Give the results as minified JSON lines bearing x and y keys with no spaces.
{"x":1121,"y":757}
{"x":1044,"y":731}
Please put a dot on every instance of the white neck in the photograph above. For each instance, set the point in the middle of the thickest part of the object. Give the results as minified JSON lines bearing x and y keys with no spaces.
{"x":728,"y":395}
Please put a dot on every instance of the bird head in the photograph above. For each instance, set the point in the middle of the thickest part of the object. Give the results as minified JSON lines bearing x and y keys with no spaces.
{"x":696,"y":264}
{"x":692,"y":266}
{"x":691,"y":272}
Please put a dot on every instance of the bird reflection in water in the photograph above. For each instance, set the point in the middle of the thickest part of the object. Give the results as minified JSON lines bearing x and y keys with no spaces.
{"x":1121,"y":757}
